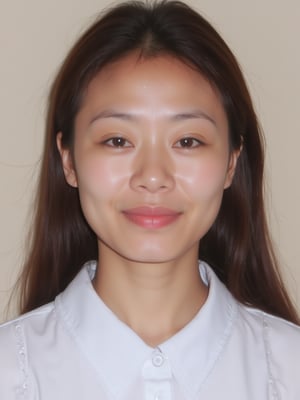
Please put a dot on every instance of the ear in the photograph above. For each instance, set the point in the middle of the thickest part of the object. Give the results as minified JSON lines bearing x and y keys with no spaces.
{"x":234,"y":156}
{"x":67,"y":162}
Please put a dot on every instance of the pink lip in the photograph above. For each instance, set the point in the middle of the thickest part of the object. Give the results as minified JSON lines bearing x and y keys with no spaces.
{"x":151,"y":217}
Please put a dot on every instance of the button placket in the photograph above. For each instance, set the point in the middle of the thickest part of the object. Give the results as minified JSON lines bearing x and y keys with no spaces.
{"x":157,"y":377}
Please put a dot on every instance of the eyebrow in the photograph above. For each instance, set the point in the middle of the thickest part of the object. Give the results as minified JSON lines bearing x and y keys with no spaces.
{"x":197,"y":114}
{"x":110,"y":113}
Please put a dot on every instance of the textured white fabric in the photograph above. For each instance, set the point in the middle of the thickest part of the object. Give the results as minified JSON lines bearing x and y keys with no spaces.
{"x":75,"y":348}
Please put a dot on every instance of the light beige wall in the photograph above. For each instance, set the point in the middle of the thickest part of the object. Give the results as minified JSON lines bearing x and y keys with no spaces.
{"x":34,"y":36}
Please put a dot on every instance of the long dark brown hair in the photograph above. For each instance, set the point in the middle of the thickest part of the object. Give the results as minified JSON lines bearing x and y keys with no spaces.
{"x":237,"y":246}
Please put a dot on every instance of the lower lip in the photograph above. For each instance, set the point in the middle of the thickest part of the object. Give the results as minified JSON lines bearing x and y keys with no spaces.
{"x":152,"y":221}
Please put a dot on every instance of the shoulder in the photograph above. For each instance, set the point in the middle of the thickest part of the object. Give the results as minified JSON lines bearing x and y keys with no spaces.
{"x":283,"y":339}
{"x":280,"y":330}
{"x":30,"y":320}
{"x":279,"y":333}
{"x":281,"y":342}
{"x":14,"y":370}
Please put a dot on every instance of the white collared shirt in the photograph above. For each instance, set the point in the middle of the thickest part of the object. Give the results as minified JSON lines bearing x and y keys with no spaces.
{"x":76,"y":349}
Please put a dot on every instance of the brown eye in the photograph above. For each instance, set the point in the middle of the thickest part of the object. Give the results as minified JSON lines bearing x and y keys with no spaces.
{"x":117,"y":142}
{"x":188,"y":143}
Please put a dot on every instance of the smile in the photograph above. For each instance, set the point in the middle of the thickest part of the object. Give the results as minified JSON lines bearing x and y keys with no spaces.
{"x":151,"y":217}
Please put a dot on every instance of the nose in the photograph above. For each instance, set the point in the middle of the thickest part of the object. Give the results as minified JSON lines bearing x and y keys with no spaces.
{"x":153,"y":172}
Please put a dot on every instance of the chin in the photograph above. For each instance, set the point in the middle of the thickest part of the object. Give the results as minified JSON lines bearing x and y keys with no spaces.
{"x":152,"y":258}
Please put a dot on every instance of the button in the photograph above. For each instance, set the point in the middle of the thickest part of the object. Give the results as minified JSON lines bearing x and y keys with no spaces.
{"x":157,"y":360}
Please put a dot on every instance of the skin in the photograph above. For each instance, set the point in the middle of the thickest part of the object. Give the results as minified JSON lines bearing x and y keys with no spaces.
{"x":150,"y":133}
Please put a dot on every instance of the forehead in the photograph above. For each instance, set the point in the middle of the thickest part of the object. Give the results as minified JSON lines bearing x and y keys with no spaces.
{"x":161,"y":84}
{"x":161,"y":68}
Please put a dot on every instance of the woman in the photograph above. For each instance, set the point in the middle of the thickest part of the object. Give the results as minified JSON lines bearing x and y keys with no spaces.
{"x":153,"y":160}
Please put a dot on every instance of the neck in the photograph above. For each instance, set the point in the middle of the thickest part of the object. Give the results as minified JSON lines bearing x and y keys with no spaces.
{"x":155,"y":300}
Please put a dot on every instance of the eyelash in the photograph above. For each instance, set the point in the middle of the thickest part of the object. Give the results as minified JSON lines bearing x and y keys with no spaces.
{"x":184,"y":143}
{"x":188,"y":143}
{"x":117,"y":142}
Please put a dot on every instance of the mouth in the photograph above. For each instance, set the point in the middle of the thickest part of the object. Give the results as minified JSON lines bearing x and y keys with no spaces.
{"x":152,"y":217}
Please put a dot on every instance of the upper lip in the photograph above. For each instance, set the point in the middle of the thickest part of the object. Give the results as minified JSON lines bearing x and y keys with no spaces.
{"x":151,"y":211}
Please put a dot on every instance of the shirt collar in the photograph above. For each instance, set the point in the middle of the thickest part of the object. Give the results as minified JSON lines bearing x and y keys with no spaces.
{"x":192,"y":352}
{"x":195,"y":349}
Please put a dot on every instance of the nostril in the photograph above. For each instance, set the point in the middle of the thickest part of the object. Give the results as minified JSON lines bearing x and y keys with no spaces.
{"x":152,"y":176}
{"x":152,"y":185}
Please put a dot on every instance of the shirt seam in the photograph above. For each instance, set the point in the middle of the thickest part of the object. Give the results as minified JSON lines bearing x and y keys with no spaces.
{"x":24,"y":317}
{"x":273,"y":390}
{"x":22,"y":389}
{"x":257,"y":311}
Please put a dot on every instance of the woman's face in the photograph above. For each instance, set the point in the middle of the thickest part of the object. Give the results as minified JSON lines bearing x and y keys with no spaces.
{"x":151,"y":158}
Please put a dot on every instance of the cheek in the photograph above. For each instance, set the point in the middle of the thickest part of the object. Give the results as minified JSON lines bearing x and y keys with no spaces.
{"x":99,"y":177}
{"x":203,"y":179}
{"x":99,"y":184}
